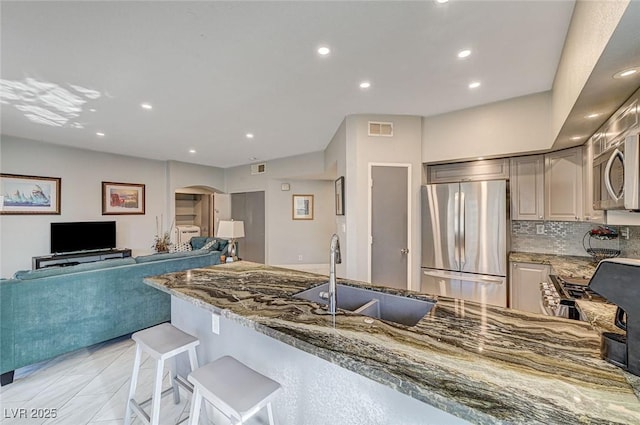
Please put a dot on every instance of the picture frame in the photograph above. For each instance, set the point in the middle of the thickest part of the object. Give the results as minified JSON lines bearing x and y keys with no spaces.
{"x":20,"y":194}
{"x":123,"y":198}
{"x":302,"y":207}
{"x":339,"y":190}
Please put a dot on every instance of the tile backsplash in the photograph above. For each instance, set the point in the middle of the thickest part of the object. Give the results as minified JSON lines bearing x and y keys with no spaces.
{"x":566,"y":238}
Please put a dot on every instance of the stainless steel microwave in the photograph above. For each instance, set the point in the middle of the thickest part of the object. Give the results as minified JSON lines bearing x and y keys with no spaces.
{"x":616,"y":176}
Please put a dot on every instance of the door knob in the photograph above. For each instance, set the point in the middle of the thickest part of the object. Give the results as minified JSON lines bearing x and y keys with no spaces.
{"x":404,"y":250}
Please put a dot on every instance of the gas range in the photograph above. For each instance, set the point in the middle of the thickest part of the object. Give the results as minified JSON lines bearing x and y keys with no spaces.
{"x":575,"y":289}
{"x":559,"y":296}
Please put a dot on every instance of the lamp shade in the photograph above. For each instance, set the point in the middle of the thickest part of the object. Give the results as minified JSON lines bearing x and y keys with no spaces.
{"x":230,"y":229}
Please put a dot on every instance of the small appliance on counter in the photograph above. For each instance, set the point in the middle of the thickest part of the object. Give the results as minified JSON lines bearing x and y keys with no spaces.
{"x":618,"y":280}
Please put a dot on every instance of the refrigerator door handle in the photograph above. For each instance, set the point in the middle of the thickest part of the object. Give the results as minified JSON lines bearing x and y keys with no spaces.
{"x":456,"y":228}
{"x":465,"y":277}
{"x":463,"y":242}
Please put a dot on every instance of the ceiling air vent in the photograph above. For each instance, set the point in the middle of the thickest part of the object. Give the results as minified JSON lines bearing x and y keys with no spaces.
{"x":384,"y":129}
{"x":260,"y":168}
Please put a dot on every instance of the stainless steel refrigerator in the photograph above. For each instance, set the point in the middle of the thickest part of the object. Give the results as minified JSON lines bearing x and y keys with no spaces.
{"x":464,"y":241}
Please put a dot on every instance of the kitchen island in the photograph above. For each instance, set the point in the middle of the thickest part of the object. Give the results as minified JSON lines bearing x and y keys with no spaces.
{"x":483,"y":364}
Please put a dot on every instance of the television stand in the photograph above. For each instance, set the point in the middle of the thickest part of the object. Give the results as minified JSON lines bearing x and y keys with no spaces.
{"x":71,"y":259}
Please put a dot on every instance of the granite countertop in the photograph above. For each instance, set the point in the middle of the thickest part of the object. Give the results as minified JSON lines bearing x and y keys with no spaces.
{"x":563,"y":265}
{"x":486,"y":364}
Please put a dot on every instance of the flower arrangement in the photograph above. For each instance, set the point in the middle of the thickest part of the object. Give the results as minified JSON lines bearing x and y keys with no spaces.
{"x":162,"y":240}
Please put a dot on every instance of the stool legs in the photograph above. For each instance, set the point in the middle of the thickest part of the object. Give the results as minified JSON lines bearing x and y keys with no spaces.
{"x":196,"y":402}
{"x":134,"y":383}
{"x":157,"y":393}
{"x":270,"y":412}
{"x":173,"y":375}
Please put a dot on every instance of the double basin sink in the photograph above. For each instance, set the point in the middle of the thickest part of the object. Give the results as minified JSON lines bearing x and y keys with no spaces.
{"x":393,"y":308}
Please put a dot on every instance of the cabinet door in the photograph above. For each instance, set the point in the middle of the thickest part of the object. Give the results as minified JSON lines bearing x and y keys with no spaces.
{"x":563,"y":185}
{"x":525,"y":281}
{"x":596,"y":216}
{"x":488,"y":169}
{"x":527,"y":188}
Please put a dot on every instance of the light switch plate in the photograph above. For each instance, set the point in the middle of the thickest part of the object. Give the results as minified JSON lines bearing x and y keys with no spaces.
{"x":539,"y":229}
{"x":215,"y":323}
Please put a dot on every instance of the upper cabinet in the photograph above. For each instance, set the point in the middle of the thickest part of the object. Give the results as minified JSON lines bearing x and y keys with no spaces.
{"x":596,"y":216}
{"x":563,"y":185}
{"x":527,"y":188}
{"x":491,"y":169}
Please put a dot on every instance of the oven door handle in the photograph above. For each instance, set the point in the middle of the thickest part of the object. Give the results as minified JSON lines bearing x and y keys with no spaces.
{"x":607,"y":171}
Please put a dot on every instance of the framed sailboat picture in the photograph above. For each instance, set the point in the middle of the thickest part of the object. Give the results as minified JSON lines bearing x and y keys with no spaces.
{"x":29,"y":194}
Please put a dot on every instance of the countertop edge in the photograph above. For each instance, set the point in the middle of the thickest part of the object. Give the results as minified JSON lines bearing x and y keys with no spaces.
{"x":436,"y":400}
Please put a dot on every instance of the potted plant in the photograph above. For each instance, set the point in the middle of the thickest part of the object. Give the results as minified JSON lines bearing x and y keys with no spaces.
{"x":162,"y":240}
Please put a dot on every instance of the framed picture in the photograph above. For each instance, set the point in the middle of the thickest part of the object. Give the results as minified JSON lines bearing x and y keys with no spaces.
{"x":303,"y":207}
{"x":29,"y":194}
{"x":340,"y":196}
{"x":122,"y":198}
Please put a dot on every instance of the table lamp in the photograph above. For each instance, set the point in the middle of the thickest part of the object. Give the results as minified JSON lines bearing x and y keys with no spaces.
{"x":230,"y":229}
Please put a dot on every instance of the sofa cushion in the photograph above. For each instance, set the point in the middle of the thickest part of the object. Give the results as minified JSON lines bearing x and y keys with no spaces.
{"x":166,"y":256}
{"x":181,"y":247}
{"x":198,"y":242}
{"x":83,"y":267}
{"x":211,"y":245}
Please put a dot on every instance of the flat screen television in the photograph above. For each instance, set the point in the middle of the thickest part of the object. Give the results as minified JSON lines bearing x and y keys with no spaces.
{"x":82,"y":236}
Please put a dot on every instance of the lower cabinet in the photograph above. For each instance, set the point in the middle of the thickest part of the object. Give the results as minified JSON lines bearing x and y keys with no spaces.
{"x":525,"y":281}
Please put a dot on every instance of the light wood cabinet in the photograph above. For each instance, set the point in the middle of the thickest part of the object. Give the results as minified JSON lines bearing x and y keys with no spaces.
{"x":525,"y":279}
{"x":595,"y":216}
{"x":563,"y":185}
{"x":527,"y":187}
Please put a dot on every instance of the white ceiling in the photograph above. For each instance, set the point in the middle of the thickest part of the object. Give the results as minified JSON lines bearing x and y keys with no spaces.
{"x":214,"y":71}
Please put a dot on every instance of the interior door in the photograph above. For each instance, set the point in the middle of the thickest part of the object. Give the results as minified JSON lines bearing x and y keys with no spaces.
{"x":250,"y":208}
{"x":389,"y":226}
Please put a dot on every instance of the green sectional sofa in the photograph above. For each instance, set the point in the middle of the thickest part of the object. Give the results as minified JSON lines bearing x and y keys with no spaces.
{"x":51,"y":311}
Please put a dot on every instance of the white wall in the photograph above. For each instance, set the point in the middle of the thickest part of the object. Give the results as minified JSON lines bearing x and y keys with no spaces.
{"x":335,"y":159}
{"x":592,"y":24}
{"x":405,"y":148}
{"x":82,"y":173}
{"x":293,"y":238}
{"x":286,"y":238}
{"x":504,"y":128}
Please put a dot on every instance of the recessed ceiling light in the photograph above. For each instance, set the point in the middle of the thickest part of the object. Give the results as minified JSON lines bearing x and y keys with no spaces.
{"x":626,"y":72}
{"x":100,"y":134}
{"x":253,"y":158}
{"x":192,"y":151}
{"x":480,"y":158}
{"x":365,"y":85}
{"x":592,"y":115}
{"x":474,"y":84}
{"x":92,"y":110}
{"x":249,"y":135}
{"x":442,"y":1}
{"x":146,"y":106}
{"x":324,"y":50}
{"x":464,"y":53}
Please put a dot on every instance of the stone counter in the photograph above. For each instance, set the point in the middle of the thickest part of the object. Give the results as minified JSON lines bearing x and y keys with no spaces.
{"x":485,"y":364}
{"x":563,"y":265}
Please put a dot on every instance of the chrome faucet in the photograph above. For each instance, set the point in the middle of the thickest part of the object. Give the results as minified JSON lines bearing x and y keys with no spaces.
{"x":334,"y":258}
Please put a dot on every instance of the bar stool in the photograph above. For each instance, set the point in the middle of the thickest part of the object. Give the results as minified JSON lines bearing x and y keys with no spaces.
{"x":161,"y":342}
{"x":233,"y":388}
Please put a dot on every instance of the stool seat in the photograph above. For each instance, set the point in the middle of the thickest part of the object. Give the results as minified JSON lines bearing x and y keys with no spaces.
{"x":161,"y":342}
{"x":164,"y":341}
{"x":235,"y":389}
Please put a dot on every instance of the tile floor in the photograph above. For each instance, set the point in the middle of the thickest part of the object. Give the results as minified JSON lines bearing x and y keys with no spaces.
{"x":88,"y":386}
